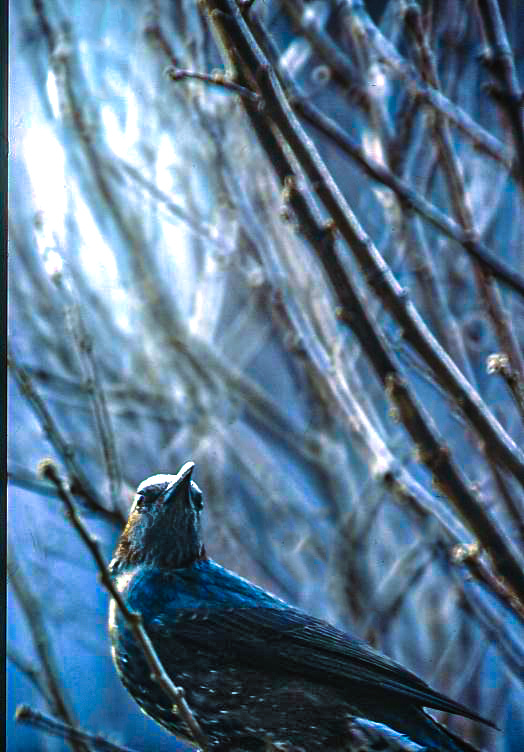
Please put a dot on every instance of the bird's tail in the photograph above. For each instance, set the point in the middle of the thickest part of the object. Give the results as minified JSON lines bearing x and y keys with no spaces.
{"x":439,"y":738}
{"x":419,"y":732}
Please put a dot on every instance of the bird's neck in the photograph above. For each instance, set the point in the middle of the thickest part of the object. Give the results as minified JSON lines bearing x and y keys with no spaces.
{"x":126,"y":561}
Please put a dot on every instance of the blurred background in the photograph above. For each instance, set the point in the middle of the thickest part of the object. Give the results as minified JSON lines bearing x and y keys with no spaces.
{"x":167,"y":303}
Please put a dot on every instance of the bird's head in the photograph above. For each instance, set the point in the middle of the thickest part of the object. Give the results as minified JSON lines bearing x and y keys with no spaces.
{"x":163,"y":527}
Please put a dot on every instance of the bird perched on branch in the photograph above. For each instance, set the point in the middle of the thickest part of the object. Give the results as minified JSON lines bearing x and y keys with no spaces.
{"x":257,"y":672}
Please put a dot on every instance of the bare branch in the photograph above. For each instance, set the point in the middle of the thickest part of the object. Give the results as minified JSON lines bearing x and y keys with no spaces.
{"x":389,"y":55}
{"x":430,"y":447}
{"x":31,"y":717}
{"x":93,"y":386}
{"x":81,"y":484}
{"x":218,"y":79}
{"x":499,"y":60}
{"x":377,"y":273}
{"x":458,"y":196}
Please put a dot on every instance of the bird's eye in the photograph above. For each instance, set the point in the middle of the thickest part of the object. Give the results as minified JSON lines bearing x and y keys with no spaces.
{"x":140,"y":502}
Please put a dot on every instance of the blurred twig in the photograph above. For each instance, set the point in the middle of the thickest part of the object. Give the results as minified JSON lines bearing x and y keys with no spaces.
{"x":30,"y":671}
{"x":499,"y":60}
{"x":389,"y":56}
{"x":93,"y":386}
{"x":82,"y":486}
{"x":53,"y":688}
{"x":31,"y":717}
{"x":459,"y":199}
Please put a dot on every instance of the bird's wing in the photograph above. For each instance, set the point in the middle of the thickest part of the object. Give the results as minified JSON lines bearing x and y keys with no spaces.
{"x":252,"y":626}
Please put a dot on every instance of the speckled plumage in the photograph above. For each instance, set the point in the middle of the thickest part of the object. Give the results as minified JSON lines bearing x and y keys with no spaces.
{"x":253,"y":667}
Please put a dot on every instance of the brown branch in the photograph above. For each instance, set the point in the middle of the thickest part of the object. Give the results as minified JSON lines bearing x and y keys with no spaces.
{"x":49,"y":471}
{"x":30,"y":717}
{"x":408,"y":196}
{"x":459,"y":199}
{"x":387,"y":54}
{"x":408,"y":199}
{"x":229,"y":23}
{"x":239,"y":44}
{"x":460,"y":204}
{"x":217,"y":79}
{"x":353,"y":313}
{"x":499,"y":60}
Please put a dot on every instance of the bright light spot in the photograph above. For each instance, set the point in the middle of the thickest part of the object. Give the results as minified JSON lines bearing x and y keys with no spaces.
{"x":309,"y":15}
{"x":295,"y":57}
{"x":53,"y":262}
{"x":112,"y":131}
{"x":52,"y":94}
{"x":316,"y":15}
{"x":97,"y":257}
{"x":373,"y":147}
{"x":45,"y":160}
{"x":377,"y":79}
{"x":207,"y":300}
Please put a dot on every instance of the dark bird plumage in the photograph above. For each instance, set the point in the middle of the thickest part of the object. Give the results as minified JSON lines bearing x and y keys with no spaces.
{"x":253,"y":667}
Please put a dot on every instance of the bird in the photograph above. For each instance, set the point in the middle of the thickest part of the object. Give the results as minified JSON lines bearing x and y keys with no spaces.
{"x":257,"y":672}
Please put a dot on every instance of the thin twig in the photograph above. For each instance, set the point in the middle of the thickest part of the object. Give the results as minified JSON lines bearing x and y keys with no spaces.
{"x":499,"y":60}
{"x":81,"y":485}
{"x":218,"y":79}
{"x":460,"y":204}
{"x":340,"y":65}
{"x":423,"y":506}
{"x":499,"y":363}
{"x":513,"y":505}
{"x":399,"y":583}
{"x":31,"y":717}
{"x":408,"y":199}
{"x":153,"y":32}
{"x":495,"y":629}
{"x":192,"y":355}
{"x":49,"y":471}
{"x":93,"y":386}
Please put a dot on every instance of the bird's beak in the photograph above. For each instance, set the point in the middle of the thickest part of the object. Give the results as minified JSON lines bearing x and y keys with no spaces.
{"x":179,"y":488}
